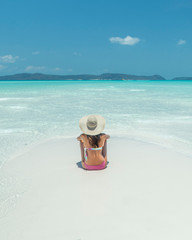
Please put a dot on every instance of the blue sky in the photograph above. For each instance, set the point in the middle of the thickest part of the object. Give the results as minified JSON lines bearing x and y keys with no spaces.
{"x":83,"y":36}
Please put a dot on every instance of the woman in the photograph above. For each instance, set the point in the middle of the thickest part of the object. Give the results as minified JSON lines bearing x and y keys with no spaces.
{"x":93,"y":143}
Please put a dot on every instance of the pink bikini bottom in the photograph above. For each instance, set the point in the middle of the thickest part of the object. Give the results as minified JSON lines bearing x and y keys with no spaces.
{"x":95,"y":167}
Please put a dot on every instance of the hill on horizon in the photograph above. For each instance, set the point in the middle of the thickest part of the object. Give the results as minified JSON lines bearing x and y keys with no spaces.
{"x":104,"y":76}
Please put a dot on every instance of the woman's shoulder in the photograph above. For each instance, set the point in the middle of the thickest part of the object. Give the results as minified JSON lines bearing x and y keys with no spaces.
{"x":84,"y":136}
{"x":105,"y":136}
{"x":81,"y":137}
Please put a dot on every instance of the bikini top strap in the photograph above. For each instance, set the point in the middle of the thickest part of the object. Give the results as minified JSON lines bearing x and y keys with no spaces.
{"x":85,"y":151}
{"x":95,"y":148}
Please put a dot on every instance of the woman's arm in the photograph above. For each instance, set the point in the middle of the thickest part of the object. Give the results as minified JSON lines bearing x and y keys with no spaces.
{"x":104,"y":151}
{"x":82,"y":151}
{"x":81,"y":147}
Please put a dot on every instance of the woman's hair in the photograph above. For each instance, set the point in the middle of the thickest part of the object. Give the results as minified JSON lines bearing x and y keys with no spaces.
{"x":94,"y":140}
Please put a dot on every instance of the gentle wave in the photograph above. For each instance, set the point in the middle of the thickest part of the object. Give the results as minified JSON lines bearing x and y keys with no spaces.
{"x":17,"y":107}
{"x":17,"y":98}
{"x":137,"y":90}
{"x":14,"y":130}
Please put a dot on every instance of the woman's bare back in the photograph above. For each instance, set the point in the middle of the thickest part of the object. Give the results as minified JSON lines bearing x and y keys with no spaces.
{"x":95,"y":157}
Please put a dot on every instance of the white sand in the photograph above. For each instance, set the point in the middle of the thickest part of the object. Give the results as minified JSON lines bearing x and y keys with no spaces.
{"x":145,"y":193}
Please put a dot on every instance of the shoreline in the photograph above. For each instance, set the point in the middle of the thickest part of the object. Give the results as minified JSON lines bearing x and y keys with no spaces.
{"x":142,"y":192}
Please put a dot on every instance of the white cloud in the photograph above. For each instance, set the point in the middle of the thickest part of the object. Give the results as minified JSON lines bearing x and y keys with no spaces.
{"x":36,"y":53}
{"x":2,"y":67}
{"x":76,"y":54}
{"x":57,"y":69}
{"x":181,"y":42}
{"x":8,"y":58}
{"x":125,"y":41}
{"x":34,"y":68}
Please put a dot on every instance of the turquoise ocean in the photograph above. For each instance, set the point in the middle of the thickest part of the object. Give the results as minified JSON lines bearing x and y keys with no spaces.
{"x":158,"y":112}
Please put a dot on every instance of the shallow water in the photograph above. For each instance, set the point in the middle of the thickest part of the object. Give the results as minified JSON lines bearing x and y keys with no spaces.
{"x":151,"y":111}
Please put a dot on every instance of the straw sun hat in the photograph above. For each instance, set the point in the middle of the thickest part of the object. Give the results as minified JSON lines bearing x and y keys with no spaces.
{"x":92,"y":124}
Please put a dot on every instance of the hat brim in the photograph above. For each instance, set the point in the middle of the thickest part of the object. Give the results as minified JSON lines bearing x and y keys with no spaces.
{"x":100,"y":125}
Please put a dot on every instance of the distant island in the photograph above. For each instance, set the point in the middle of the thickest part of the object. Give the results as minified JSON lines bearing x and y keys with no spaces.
{"x":104,"y":76}
{"x":182,"y":78}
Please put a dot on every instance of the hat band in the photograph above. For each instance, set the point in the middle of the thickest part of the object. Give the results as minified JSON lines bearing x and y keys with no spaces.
{"x":91,"y":127}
